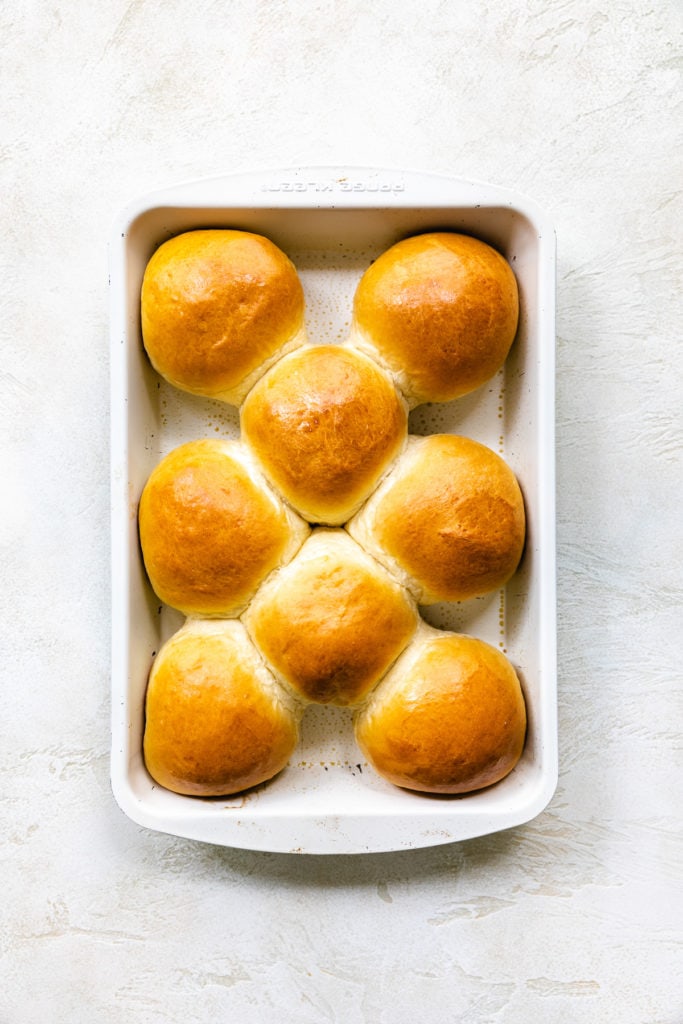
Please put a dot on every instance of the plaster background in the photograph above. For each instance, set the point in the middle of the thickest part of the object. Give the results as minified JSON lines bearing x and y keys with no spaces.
{"x":576,"y":916}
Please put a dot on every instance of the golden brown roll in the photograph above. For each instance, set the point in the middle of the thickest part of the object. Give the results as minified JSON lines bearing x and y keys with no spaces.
{"x":440,"y":311}
{"x":218,"y":307}
{"x":449,"y":716}
{"x":448,"y":520}
{"x":325,"y":423}
{"x":216,"y":720}
{"x":211,"y":529}
{"x":331,"y":622}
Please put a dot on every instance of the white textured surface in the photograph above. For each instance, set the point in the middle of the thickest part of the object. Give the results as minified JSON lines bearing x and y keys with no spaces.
{"x":576,"y":916}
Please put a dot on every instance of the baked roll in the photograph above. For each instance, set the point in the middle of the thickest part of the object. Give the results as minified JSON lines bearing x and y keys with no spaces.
{"x":440,"y":311}
{"x":211,"y":529}
{"x":325,"y":423}
{"x":448,"y":520}
{"x":331,"y":622}
{"x":449,"y":717}
{"x":218,"y":307}
{"x":216,"y":722}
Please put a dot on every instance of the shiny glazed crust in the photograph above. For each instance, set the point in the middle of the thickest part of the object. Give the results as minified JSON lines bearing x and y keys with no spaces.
{"x":328,"y":616}
{"x":216,"y":723}
{"x":332,"y":621}
{"x":211,"y":529}
{"x":218,"y":307}
{"x":449,"y":717}
{"x":325,"y":423}
{"x":448,"y":520}
{"x":440,"y":310}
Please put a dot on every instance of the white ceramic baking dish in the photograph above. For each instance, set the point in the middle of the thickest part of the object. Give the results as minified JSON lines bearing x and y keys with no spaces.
{"x":332,"y":222}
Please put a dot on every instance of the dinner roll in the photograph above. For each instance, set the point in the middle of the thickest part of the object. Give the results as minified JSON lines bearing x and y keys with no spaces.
{"x":216,"y":721}
{"x":448,"y":520}
{"x":325,"y":423}
{"x":331,"y":622}
{"x":211,"y":529}
{"x":449,"y":716}
{"x":440,"y":311}
{"x":218,"y":307}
